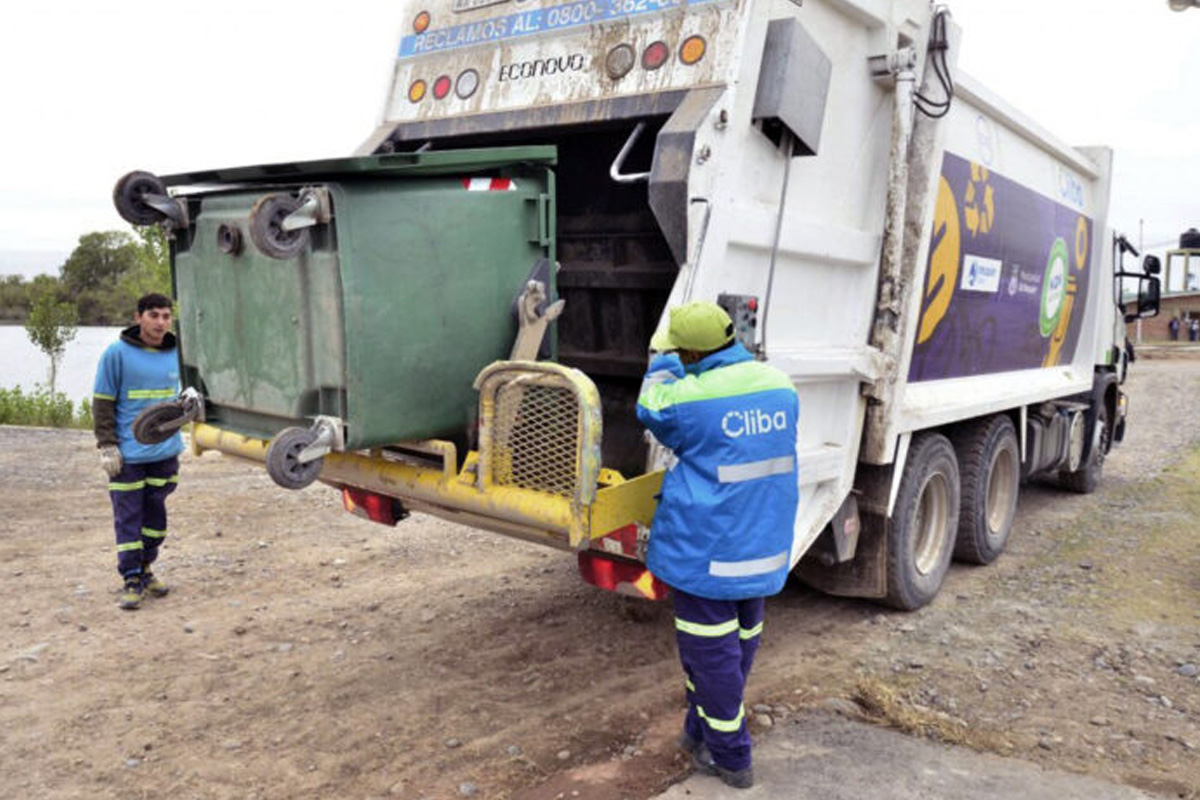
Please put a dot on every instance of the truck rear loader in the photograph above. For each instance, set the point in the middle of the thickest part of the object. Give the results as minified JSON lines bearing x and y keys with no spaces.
{"x":457,"y":318}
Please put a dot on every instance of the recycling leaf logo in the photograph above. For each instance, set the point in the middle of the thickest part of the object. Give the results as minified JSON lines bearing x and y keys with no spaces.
{"x":979,"y":202}
{"x":1054,"y":287}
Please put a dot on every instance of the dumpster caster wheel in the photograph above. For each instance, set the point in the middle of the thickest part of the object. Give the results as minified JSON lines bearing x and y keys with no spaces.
{"x":267,"y":231}
{"x":283,"y":459}
{"x":129,"y":197}
{"x":158,"y":423}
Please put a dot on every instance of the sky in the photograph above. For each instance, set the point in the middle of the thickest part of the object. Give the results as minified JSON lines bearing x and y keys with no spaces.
{"x":90,"y":91}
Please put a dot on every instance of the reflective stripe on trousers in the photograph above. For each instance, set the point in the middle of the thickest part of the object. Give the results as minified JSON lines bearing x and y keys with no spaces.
{"x":139,"y":495}
{"x":717,"y":642}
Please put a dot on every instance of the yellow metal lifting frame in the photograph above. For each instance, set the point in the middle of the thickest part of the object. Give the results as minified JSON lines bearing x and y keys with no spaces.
{"x":599,"y":502}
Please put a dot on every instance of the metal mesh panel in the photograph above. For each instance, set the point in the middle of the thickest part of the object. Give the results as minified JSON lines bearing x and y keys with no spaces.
{"x":534,"y":437}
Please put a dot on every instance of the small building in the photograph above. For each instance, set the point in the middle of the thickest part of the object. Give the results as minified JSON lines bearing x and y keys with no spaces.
{"x":1184,"y":306}
{"x":1180,"y":298}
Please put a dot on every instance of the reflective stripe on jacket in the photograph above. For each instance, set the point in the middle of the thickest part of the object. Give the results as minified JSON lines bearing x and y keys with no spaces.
{"x":724,"y":525}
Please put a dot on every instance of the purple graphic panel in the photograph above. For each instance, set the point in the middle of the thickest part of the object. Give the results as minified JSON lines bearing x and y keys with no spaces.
{"x":1006,"y":281}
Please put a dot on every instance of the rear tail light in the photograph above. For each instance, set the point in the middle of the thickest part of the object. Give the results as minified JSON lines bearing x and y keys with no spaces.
{"x":621,"y":576}
{"x":692,"y":49}
{"x":441,"y":87}
{"x":619,"y":61}
{"x":655,"y":55}
{"x":375,"y":507}
{"x":621,"y":542}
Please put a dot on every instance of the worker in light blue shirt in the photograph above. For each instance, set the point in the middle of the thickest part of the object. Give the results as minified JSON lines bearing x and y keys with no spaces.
{"x":139,"y":370}
{"x":722,"y":533}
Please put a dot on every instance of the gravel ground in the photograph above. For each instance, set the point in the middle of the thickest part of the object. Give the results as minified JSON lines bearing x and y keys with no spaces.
{"x":306,"y":653}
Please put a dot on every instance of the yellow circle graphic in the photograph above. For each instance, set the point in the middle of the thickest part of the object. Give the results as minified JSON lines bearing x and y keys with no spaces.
{"x":1081,"y":243}
{"x":943,"y":261}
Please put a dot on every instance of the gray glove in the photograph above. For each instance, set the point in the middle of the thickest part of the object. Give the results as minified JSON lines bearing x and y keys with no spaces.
{"x":110,"y":459}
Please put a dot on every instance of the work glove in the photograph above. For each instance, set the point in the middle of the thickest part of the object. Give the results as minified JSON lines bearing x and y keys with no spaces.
{"x":110,"y":459}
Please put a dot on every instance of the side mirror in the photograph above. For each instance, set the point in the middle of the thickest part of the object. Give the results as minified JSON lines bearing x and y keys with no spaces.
{"x":1151,"y":265}
{"x":1147,"y":297}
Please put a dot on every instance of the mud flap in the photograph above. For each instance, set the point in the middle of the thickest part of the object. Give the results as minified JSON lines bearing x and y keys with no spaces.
{"x":864,"y":575}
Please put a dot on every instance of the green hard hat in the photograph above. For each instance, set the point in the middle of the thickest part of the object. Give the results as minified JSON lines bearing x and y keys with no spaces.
{"x":702,"y":326}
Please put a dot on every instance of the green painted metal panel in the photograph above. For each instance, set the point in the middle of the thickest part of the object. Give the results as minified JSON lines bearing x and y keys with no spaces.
{"x":386,"y":318}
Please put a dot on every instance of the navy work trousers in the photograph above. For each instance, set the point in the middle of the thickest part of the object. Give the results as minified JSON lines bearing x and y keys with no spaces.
{"x":139,"y":499}
{"x":717,"y":642}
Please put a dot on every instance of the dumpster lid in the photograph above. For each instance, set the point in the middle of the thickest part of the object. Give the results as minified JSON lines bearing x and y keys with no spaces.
{"x":429,"y":162}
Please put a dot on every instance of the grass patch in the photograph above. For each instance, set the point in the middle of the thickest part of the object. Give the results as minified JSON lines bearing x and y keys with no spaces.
{"x":1134,"y":557}
{"x":1156,"y":578}
{"x":43,"y":409}
{"x":891,"y":706}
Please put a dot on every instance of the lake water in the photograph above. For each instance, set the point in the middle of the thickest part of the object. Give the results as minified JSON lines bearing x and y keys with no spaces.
{"x":23,"y":364}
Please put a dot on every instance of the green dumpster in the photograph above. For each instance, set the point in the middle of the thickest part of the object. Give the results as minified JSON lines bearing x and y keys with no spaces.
{"x":368,"y":290}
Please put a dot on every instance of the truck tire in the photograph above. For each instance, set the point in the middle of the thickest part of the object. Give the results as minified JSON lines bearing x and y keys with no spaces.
{"x":989,"y":460}
{"x":1086,"y":479}
{"x":922,"y":531}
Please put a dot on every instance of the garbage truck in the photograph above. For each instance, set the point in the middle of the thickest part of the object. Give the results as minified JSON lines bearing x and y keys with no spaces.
{"x":456,"y":318}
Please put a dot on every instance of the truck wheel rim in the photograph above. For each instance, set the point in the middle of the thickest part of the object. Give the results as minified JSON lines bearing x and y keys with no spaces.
{"x":1002,"y":484}
{"x":933,"y":512}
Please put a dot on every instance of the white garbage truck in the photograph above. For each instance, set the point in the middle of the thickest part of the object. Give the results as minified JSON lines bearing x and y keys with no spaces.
{"x":933,"y":269}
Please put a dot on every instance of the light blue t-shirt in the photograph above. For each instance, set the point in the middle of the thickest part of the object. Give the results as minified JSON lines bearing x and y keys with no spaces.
{"x":135,"y":378}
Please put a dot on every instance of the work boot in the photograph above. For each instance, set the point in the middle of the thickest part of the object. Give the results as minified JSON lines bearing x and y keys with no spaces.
{"x":131,"y":597}
{"x":688,"y":744}
{"x":154,"y":586}
{"x":703,"y":763}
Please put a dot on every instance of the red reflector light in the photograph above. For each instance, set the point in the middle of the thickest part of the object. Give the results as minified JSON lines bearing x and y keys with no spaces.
{"x":441,"y":87}
{"x":655,"y":55}
{"x":620,"y":576}
{"x":622,"y":542}
{"x":369,"y":505}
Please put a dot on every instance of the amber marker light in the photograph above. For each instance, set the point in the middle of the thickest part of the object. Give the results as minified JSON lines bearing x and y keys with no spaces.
{"x":692,"y":49}
{"x":421,"y":22}
{"x":416,"y":92}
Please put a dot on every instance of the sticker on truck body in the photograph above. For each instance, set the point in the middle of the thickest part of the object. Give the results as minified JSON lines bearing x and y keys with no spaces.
{"x":535,"y":21}
{"x":1006,"y":281}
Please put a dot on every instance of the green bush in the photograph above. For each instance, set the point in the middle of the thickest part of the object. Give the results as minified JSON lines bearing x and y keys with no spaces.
{"x":43,"y":409}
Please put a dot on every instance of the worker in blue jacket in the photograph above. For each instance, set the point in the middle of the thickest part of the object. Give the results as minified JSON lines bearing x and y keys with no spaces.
{"x":139,"y":370}
{"x":722,"y":535}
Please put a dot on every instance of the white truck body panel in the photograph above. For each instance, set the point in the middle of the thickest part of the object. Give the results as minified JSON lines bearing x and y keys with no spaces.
{"x":530,"y":56}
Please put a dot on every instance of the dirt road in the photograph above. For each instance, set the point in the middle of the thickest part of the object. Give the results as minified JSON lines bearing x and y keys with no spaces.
{"x":306,"y":653}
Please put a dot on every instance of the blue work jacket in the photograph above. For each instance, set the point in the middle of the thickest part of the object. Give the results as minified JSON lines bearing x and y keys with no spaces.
{"x":724,"y":525}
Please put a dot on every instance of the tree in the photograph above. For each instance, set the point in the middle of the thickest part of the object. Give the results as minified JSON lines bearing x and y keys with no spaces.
{"x":50,"y":326}
{"x":98,"y":261}
{"x":14,"y":299}
{"x":153,"y":270}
